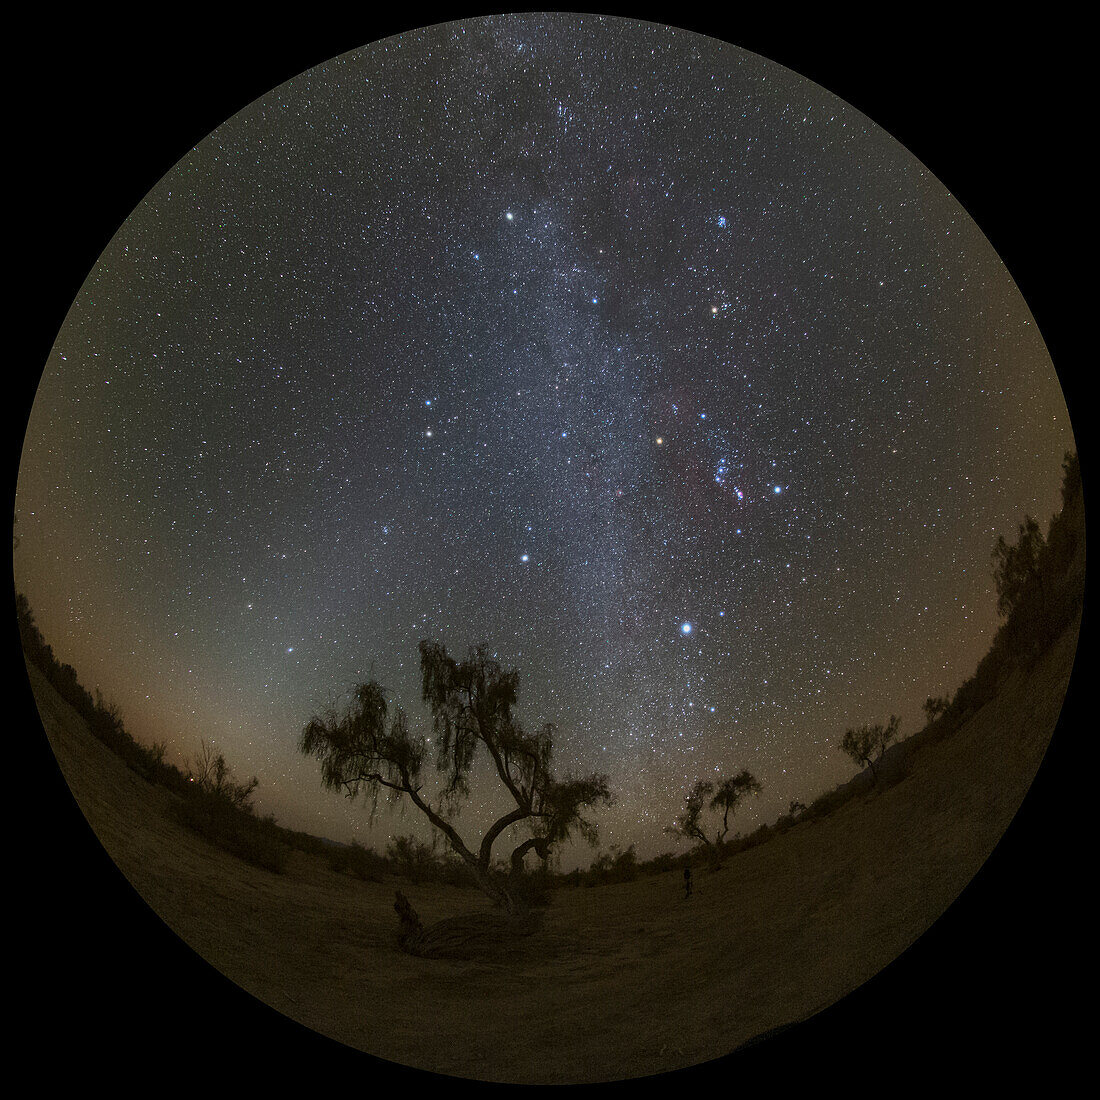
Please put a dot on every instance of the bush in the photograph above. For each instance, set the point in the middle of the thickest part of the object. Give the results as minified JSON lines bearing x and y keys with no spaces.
{"x":616,"y":865}
{"x":413,"y":859}
{"x":533,"y":889}
{"x":255,"y":840}
{"x":355,"y":860}
{"x":659,"y":864}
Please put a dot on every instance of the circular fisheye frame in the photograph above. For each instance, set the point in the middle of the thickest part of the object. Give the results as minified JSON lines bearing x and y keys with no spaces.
{"x":549,"y":549}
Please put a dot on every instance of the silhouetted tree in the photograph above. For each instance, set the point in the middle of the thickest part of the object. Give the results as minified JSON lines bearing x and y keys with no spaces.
{"x":366,"y":749}
{"x":935,"y":707}
{"x":1016,"y":568}
{"x":210,"y":773}
{"x":28,"y":629}
{"x":35,"y":647}
{"x":705,"y":794}
{"x":1067,"y":528}
{"x":689,"y":822}
{"x":866,"y":744}
{"x":616,"y":865}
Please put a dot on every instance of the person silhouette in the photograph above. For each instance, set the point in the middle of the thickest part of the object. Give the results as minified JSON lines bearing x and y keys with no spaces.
{"x":687,"y":882}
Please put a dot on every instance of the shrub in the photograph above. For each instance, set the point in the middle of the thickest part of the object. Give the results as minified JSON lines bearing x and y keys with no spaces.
{"x":535,"y":888}
{"x":615,"y":865}
{"x":362,"y":863}
{"x":255,"y":840}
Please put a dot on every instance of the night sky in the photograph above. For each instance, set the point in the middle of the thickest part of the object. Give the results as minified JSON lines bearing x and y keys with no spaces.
{"x":644,"y":360}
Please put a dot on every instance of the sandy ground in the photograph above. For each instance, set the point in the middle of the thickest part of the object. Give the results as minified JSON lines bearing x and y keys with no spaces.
{"x":622,"y":981}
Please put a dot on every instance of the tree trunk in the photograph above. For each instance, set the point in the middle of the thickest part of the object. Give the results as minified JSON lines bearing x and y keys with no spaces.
{"x":495,"y":887}
{"x":411,"y":931}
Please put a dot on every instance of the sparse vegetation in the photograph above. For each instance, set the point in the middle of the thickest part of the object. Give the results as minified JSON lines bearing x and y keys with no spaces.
{"x":209,"y":800}
{"x":1040,"y":587}
{"x":236,"y":831}
{"x":1039,"y":584}
{"x":213,"y":776}
{"x":616,"y":865}
{"x":867,"y":744}
{"x":1016,"y":567}
{"x":103,"y":718}
{"x":219,"y":808}
{"x":723,"y":797}
{"x":359,"y":862}
{"x":935,"y":707}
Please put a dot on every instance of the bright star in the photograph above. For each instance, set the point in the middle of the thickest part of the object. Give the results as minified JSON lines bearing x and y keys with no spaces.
{"x":685,"y":628}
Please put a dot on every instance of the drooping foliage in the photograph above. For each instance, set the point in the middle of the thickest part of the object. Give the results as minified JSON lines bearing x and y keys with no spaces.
{"x":723,"y":797}
{"x":866,"y":744}
{"x":472,"y":704}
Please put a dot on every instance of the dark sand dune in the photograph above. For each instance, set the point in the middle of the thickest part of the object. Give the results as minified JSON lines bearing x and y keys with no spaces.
{"x":618,"y":981}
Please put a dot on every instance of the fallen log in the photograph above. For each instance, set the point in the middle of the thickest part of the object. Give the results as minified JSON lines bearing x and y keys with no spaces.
{"x":466,"y":936}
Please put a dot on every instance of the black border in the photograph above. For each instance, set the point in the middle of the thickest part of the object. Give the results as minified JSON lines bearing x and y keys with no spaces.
{"x":106,"y":105}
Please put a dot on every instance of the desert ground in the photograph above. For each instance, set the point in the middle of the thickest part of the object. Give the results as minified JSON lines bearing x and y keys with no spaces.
{"x":621,"y":981}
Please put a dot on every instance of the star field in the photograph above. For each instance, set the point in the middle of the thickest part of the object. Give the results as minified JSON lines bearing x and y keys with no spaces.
{"x":642,"y":359}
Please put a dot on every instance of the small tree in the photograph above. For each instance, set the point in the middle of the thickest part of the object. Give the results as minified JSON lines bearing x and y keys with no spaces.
{"x":867,"y":744}
{"x":210,"y":773}
{"x":935,"y":707}
{"x":368,"y":750}
{"x":1016,"y":568}
{"x":724,"y":797}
